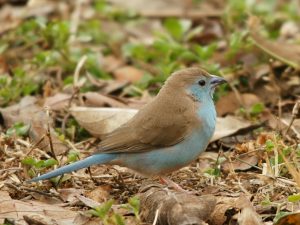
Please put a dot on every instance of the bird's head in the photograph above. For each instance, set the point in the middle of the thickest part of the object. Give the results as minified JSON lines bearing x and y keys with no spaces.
{"x":196,"y":82}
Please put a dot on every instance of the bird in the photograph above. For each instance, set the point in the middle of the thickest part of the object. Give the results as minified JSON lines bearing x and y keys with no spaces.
{"x":168,"y":133}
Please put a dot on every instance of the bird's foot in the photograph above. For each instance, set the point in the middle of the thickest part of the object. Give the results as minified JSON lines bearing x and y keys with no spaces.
{"x":172,"y":184}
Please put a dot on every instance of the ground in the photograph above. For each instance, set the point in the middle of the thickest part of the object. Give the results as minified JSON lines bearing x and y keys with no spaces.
{"x":71,"y":71}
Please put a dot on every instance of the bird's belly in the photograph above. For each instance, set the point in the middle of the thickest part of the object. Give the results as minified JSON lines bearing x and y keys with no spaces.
{"x":165,"y":160}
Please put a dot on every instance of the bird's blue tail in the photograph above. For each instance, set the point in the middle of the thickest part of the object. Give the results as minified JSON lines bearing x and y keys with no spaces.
{"x":89,"y":161}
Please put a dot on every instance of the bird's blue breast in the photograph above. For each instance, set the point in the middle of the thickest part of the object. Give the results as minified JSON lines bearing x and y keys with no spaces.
{"x":168,"y":159}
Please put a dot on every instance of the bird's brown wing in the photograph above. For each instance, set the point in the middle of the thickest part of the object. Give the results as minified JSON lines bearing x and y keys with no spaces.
{"x":162,"y":123}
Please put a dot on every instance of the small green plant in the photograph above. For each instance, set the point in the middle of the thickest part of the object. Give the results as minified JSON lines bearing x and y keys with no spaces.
{"x":36,"y":164}
{"x":18,"y":129}
{"x":294,"y":198}
{"x":73,"y":156}
{"x":134,"y":206}
{"x":108,"y":216}
{"x":266,"y":201}
{"x":12,"y":88}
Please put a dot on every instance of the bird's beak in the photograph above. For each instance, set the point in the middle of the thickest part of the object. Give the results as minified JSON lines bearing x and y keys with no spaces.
{"x":215,"y":81}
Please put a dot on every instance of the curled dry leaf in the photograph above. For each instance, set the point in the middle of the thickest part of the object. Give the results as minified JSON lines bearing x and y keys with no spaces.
{"x":33,"y":211}
{"x":174,"y":208}
{"x":291,"y":219}
{"x":230,"y":103}
{"x":219,"y":215}
{"x":99,"y":194}
{"x":228,"y":125}
{"x":111,"y":63}
{"x":37,"y":120}
{"x":58,"y":101}
{"x":99,"y":121}
{"x":94,"y":99}
{"x":241,"y":163}
{"x":128,"y":73}
{"x":248,"y":215}
{"x":285,"y":52}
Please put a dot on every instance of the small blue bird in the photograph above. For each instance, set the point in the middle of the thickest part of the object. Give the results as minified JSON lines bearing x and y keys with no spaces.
{"x":166,"y":134}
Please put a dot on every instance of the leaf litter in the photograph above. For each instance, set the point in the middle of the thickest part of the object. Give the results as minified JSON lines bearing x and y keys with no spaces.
{"x":85,"y":54}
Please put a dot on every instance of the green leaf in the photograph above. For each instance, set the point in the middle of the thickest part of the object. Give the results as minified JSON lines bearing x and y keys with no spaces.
{"x":177,"y":28}
{"x":29,"y":161}
{"x":102,"y":210}
{"x":49,"y":162}
{"x":257,"y":108}
{"x":18,"y":129}
{"x":73,"y":156}
{"x":269,"y":145}
{"x":294,"y":198}
{"x":118,"y":219}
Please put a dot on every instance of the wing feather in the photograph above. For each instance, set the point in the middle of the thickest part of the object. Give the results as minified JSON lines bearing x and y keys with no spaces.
{"x":151,"y":128}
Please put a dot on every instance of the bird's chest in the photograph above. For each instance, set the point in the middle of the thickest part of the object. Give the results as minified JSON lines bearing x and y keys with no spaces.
{"x":207,"y":117}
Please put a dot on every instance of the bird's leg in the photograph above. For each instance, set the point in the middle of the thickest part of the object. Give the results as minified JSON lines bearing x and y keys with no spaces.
{"x":170,"y":183}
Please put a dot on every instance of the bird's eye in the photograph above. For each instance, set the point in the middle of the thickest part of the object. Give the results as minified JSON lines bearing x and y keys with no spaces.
{"x":201,"y":82}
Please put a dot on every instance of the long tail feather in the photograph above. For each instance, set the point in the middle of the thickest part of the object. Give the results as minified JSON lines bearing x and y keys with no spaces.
{"x":89,"y":161}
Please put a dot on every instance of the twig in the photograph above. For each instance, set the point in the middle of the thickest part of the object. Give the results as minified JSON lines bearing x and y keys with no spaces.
{"x":156,"y":217}
{"x":32,"y":190}
{"x":295,"y":113}
{"x":48,"y":133}
{"x":76,"y":85}
{"x":191,"y":14}
{"x":75,"y":18}
{"x":36,"y":144}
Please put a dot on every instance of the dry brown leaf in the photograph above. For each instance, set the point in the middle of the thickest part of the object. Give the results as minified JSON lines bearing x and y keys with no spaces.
{"x":248,"y":215}
{"x":16,"y":210}
{"x":170,"y":8}
{"x":227,"y":126}
{"x":88,"y":202}
{"x":285,"y":52}
{"x":111,"y":63}
{"x":224,"y":204}
{"x":70,"y":194}
{"x":58,"y":101}
{"x":174,"y":208}
{"x":128,"y":73}
{"x":99,"y":121}
{"x":99,"y":194}
{"x":243,"y":162}
{"x":93,"y":99}
{"x":291,"y":219}
{"x":28,"y":112}
{"x":230,"y":103}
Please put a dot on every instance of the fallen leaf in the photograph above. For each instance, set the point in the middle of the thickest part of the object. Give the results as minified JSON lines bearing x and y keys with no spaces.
{"x":99,"y":121}
{"x":88,"y":202}
{"x":174,"y":208}
{"x":248,"y":215}
{"x":229,"y":125}
{"x":38,"y":121}
{"x":230,"y":102}
{"x":99,"y":194}
{"x":243,"y":162}
{"x":128,"y":73}
{"x":57,"y":102}
{"x":70,"y":194}
{"x":291,"y":219}
{"x":34,"y":210}
{"x":285,"y":52}
{"x":219,"y":215}
{"x":111,"y":63}
{"x":93,"y":99}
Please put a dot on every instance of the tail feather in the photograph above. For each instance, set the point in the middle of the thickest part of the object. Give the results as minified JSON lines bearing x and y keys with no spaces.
{"x":89,"y":161}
